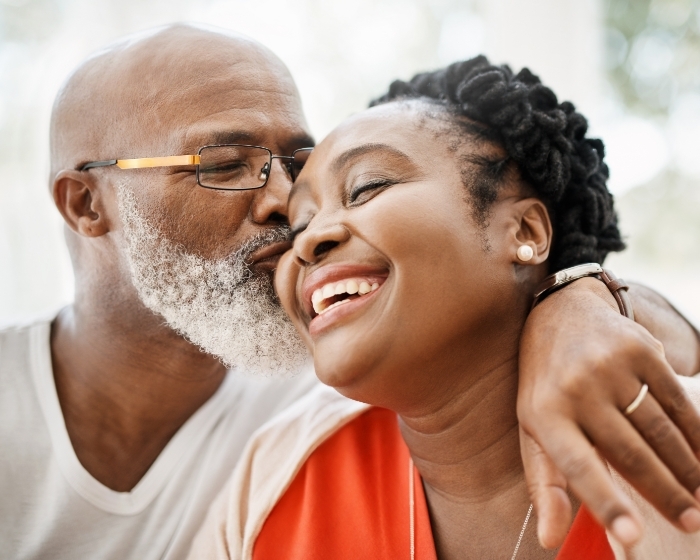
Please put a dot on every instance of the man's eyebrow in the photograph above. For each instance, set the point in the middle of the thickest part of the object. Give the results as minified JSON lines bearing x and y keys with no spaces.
{"x":346,"y":157}
{"x":229,"y":137}
{"x":243,"y":137}
{"x":304,"y":141}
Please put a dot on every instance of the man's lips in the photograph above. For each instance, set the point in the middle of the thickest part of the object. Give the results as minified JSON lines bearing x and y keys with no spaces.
{"x":267,"y":257}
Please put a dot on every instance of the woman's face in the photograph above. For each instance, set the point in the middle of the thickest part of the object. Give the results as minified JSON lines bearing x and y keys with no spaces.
{"x":392,"y":283}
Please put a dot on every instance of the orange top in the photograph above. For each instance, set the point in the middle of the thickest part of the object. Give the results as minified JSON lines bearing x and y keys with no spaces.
{"x":351,"y":500}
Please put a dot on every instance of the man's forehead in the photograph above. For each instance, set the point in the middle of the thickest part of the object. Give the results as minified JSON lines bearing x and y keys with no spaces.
{"x":215,"y":95}
{"x":243,"y":95}
{"x":232,"y":91}
{"x":285,"y":131}
{"x":288,"y":137}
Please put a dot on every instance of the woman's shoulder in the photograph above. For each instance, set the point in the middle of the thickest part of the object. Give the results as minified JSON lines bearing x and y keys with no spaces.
{"x":356,"y":483}
{"x":270,"y":462}
{"x":297,"y":430}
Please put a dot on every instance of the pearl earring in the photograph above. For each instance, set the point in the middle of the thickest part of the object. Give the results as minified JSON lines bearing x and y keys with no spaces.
{"x":525,"y":253}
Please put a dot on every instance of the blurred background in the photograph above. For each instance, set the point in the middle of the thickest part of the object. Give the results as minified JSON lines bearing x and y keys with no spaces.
{"x":631,"y":66}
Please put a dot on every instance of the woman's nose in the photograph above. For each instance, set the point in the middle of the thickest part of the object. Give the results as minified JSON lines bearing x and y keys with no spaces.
{"x":315,"y":242}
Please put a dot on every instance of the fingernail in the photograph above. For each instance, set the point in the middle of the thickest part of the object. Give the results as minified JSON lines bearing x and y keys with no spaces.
{"x":626,"y":530}
{"x":690,"y":519}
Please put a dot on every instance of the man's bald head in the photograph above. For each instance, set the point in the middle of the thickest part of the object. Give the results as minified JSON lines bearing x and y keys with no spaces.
{"x":130,"y":98}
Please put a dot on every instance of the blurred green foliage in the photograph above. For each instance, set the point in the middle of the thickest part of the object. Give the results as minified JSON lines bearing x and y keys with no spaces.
{"x":653,"y":52}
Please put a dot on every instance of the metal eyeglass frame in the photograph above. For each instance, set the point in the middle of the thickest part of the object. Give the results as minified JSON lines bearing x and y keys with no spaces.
{"x":174,"y":161}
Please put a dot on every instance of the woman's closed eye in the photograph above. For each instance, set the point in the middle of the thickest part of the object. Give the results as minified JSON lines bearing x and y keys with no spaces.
{"x":367,"y":190}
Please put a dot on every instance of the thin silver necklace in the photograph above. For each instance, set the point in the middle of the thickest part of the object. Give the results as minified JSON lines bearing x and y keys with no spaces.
{"x":412,"y":520}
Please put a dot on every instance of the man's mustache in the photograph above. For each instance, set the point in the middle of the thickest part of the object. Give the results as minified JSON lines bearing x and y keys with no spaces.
{"x":276,"y":234}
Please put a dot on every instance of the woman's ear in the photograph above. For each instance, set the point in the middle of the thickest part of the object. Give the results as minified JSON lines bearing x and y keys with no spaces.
{"x":80,"y":202}
{"x":533,"y":236}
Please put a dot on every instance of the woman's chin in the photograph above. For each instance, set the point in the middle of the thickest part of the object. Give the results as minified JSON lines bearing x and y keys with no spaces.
{"x":330,"y":373}
{"x":347,"y":372}
{"x":370,"y":379}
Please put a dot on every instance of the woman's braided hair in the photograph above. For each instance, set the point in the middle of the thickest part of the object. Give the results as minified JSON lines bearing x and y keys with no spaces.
{"x":546,"y":140}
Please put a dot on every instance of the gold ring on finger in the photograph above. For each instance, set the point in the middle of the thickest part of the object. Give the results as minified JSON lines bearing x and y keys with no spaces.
{"x":634,"y":405}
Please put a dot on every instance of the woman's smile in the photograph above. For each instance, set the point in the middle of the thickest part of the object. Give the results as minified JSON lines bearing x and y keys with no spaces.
{"x":334,"y":292}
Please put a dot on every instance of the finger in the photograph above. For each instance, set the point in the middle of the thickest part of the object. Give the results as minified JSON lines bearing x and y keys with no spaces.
{"x":668,"y":391}
{"x":588,"y":477}
{"x":547,"y":488}
{"x":623,"y":447}
{"x":669,"y":443}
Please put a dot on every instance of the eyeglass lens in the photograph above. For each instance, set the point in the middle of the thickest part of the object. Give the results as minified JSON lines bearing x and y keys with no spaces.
{"x":235,"y":167}
{"x":297,"y":164}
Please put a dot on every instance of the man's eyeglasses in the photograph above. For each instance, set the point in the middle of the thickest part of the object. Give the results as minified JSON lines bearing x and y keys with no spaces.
{"x":226,"y":167}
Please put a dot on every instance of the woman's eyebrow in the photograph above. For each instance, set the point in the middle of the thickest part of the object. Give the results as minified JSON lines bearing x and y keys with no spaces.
{"x":353,"y":153}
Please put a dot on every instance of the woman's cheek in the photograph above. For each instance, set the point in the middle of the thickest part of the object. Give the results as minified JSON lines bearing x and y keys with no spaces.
{"x":286,"y":277}
{"x":405,"y":228}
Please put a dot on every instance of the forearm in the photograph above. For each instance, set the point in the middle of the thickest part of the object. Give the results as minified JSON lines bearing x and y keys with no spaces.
{"x":581,"y":364}
{"x":680,"y":339}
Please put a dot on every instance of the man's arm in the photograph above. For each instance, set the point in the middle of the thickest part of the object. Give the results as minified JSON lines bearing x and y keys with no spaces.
{"x":581,"y":364}
{"x":680,"y":339}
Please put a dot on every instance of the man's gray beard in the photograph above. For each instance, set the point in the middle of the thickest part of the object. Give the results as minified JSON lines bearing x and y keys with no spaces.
{"x":219,"y":305}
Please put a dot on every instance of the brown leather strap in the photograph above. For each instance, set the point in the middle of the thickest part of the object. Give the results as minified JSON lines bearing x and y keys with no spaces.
{"x":618,"y":288}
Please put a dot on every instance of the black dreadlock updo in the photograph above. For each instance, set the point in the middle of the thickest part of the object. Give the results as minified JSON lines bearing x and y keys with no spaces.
{"x":546,"y":140}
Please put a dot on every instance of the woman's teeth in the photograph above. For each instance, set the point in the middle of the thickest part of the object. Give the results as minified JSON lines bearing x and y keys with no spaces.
{"x":324,"y":298}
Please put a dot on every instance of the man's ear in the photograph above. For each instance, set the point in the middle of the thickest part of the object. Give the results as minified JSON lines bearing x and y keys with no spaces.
{"x":81,"y":202}
{"x":534,"y":230}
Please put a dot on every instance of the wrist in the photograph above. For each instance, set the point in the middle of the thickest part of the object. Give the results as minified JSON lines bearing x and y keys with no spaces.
{"x":586,"y":288}
{"x":618,"y":288}
{"x":570,"y":325}
{"x":597,"y":288}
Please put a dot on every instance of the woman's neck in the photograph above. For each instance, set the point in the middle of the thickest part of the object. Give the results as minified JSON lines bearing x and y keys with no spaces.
{"x":476,"y":431}
{"x":467,"y":451}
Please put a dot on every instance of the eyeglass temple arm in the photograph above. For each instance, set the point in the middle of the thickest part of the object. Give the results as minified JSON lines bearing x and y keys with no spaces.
{"x":144,"y":162}
{"x":92,"y":164}
{"x":292,"y":157}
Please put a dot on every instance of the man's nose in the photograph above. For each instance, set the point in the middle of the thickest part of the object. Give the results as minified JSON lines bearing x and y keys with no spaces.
{"x":270,"y":202}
